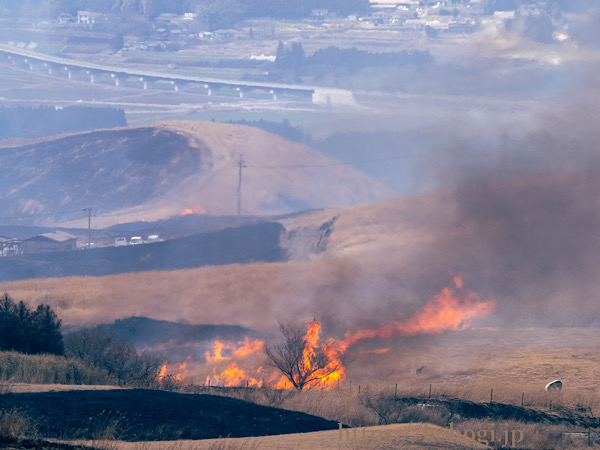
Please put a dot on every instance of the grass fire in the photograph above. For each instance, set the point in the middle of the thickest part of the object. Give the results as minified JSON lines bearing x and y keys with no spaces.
{"x":304,"y":359}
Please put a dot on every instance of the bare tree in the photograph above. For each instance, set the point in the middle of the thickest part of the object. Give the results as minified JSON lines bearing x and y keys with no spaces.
{"x":98,"y":347}
{"x":302,"y":364}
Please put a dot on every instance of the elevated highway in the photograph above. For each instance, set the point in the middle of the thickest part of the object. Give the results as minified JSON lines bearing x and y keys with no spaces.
{"x":147,"y":78}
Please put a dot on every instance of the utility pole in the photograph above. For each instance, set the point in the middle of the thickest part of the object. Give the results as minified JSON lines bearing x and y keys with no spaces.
{"x":241,"y":164}
{"x":89,"y":211}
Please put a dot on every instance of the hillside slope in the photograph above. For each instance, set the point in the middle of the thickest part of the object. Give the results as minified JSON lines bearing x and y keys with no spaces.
{"x":531,"y":243}
{"x":169,"y":168}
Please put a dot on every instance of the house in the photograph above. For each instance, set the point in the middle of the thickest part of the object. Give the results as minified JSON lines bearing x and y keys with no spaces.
{"x":89,"y":18}
{"x":57,"y":241}
{"x":10,"y":246}
{"x":319,"y":13}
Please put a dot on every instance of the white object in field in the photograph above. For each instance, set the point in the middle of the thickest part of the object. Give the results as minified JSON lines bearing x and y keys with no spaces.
{"x":555,"y":385}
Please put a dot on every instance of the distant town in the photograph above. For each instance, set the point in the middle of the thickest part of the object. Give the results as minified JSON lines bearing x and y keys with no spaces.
{"x":538,"y":19}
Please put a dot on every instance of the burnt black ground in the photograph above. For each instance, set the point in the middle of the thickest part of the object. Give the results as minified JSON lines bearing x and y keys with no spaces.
{"x":465,"y":409}
{"x":144,"y":415}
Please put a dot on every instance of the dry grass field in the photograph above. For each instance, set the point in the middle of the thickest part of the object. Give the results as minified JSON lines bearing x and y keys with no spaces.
{"x":382,"y":263}
{"x":406,"y":436}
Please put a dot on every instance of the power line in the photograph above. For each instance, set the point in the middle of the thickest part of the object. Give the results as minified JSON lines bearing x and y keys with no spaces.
{"x":340,"y":163}
{"x":40,"y":215}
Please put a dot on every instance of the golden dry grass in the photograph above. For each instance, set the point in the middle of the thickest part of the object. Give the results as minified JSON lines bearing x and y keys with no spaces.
{"x":409,"y":436}
{"x":252,"y":295}
{"x":275,"y":169}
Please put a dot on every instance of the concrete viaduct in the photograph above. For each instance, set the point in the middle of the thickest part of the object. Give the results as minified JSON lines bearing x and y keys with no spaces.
{"x":146,"y":79}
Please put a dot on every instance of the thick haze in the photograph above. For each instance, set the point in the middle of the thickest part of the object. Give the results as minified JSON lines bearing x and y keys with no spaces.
{"x":504,"y":127}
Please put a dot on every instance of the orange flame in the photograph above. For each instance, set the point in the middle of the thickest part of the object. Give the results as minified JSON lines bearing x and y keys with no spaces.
{"x":180,"y":370}
{"x":243,"y":349}
{"x":451,"y":309}
{"x":249,"y":347}
{"x":234,"y":376}
{"x":377,"y":351}
{"x":197,"y":209}
{"x":216,"y":353}
{"x":162,"y":373}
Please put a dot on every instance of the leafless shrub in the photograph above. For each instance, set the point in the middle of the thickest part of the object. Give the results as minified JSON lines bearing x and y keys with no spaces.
{"x":170,"y":383}
{"x":276,"y":397}
{"x":120,"y":359}
{"x":299,"y":363}
{"x":386,"y":408}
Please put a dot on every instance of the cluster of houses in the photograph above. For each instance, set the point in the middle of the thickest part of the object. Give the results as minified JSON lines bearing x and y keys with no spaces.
{"x":443,"y":16}
{"x":56,"y":241}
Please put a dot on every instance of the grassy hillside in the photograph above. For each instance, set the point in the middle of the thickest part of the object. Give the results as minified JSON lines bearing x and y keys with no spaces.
{"x":527,"y":242}
{"x":157,"y":171}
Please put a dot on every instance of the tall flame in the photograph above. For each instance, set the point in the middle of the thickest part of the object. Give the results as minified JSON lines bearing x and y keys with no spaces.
{"x":177,"y":370}
{"x":242,"y":349}
{"x":234,"y":376}
{"x":451,"y":309}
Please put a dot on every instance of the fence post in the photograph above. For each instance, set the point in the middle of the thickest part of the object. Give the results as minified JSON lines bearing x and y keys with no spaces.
{"x":522,"y":399}
{"x":589,"y":438}
{"x":396,"y":391}
{"x":491,"y":395}
{"x":359,"y":388}
{"x":550,"y":405}
{"x":429,"y":390}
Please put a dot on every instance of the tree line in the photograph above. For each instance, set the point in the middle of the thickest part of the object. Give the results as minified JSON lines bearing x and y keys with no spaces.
{"x":151,"y":9}
{"x":38,"y":331}
{"x":29,"y":331}
{"x":36,"y":122}
{"x":337,"y":60}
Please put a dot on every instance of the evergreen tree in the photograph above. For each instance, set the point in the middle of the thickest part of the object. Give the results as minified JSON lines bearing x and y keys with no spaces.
{"x":27,"y":331}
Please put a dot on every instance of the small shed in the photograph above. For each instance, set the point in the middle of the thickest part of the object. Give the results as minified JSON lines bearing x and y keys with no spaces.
{"x":56,"y":241}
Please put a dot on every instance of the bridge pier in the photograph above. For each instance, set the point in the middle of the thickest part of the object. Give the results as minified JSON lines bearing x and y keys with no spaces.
{"x":76,"y":70}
